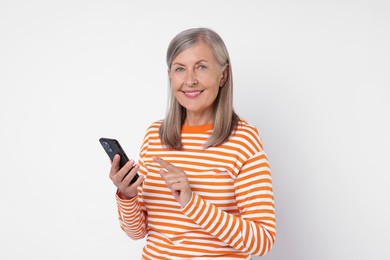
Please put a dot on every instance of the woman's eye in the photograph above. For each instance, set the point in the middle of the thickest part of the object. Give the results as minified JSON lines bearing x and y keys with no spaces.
{"x":178,"y":69}
{"x":201,"y":67}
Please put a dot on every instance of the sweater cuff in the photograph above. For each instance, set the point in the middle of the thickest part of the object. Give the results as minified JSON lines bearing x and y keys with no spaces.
{"x":195,"y":208}
{"x":126,"y":203}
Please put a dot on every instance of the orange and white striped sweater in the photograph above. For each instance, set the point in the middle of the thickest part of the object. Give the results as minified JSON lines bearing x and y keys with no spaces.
{"x":231,"y":212}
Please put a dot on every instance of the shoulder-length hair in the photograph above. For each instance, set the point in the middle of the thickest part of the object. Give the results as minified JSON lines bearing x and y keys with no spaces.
{"x":225,"y":119}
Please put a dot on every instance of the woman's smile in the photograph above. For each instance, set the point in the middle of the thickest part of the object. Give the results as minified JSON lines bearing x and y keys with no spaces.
{"x":192,"y":93}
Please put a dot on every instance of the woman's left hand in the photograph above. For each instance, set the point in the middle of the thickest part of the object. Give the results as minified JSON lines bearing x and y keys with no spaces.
{"x":176,"y":180}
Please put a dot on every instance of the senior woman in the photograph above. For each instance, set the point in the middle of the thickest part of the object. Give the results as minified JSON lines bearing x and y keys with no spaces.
{"x":205,"y":187}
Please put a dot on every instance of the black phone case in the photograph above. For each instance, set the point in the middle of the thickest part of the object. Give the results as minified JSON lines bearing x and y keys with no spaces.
{"x":112,"y":147}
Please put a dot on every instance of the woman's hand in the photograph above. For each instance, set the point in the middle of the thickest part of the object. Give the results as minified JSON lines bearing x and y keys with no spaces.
{"x":122,"y":181}
{"x":176,"y":180}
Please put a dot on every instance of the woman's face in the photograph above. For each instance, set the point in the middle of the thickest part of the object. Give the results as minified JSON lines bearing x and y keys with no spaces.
{"x":196,"y":77}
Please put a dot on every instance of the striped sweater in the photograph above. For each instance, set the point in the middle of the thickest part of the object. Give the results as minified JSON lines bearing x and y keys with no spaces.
{"x":231,"y":211}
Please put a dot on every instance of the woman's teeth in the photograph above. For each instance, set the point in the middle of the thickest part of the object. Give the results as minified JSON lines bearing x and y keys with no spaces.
{"x":192,"y":93}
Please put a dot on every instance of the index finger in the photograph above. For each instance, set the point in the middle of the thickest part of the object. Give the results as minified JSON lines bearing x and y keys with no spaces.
{"x":170,"y":167}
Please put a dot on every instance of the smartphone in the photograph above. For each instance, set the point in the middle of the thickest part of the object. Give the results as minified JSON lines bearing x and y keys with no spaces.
{"x":112,"y":147}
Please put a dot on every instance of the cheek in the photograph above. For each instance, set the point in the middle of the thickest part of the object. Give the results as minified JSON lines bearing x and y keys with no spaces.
{"x":216,"y":91}
{"x":175,"y":82}
{"x":175,"y":89}
{"x":211,"y":78}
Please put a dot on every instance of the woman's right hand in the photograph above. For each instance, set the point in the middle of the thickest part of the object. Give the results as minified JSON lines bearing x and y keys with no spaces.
{"x":122,"y":181}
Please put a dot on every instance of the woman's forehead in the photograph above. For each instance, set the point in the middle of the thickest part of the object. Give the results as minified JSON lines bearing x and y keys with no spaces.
{"x":196,"y":53}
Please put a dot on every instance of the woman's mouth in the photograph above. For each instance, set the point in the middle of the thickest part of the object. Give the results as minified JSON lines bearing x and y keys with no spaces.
{"x":192,"y":93}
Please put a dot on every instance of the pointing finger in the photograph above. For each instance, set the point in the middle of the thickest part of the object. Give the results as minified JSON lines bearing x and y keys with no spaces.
{"x":170,"y":167}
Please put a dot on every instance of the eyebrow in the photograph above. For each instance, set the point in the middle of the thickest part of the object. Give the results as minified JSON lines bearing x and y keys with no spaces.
{"x":181,"y":64}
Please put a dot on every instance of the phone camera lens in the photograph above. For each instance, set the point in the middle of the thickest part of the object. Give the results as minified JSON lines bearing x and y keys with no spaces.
{"x":107,"y":147}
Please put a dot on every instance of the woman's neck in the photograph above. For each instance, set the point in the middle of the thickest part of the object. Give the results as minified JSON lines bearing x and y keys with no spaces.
{"x":195,"y":120}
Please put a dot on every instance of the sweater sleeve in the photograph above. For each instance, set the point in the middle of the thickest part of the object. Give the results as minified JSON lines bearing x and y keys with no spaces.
{"x":253,"y":231}
{"x":132,"y":213}
{"x":132,"y":218}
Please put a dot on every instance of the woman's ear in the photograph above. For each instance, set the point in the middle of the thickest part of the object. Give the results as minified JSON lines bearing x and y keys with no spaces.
{"x":225,"y":75}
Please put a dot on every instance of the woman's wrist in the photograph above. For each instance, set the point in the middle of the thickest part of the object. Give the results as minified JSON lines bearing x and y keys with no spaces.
{"x":123,"y":196}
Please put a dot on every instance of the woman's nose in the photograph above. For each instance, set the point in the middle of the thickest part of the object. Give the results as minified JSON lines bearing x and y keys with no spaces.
{"x":191,"y":79}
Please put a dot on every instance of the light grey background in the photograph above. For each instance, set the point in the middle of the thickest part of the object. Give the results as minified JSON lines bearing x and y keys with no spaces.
{"x":313,"y":76}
